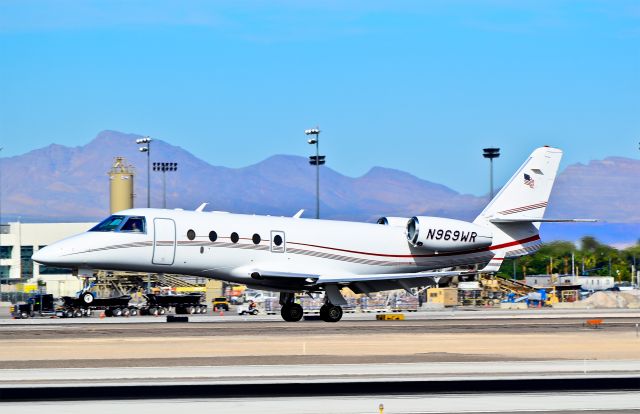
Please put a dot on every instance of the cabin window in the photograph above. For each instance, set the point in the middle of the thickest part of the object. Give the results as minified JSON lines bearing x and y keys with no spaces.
{"x":191,"y":234}
{"x":201,"y":249}
{"x":277,"y":240}
{"x":213,"y":236}
{"x":235,"y":237}
{"x":256,"y":238}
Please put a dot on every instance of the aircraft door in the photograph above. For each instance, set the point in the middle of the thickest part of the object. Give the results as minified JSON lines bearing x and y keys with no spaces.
{"x":164,"y":241}
{"x":278,"y":241}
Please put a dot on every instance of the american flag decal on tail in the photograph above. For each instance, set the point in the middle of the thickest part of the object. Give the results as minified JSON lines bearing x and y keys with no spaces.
{"x":529,"y":181}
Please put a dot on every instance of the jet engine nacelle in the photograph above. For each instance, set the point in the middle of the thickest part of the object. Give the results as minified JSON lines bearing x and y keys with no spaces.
{"x":442,"y":235}
{"x":393,"y":221}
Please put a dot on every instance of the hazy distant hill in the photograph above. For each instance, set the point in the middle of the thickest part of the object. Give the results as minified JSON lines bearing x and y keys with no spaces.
{"x":61,"y":183}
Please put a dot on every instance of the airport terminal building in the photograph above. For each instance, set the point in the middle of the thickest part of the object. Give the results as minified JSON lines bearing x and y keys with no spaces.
{"x":18,"y":241}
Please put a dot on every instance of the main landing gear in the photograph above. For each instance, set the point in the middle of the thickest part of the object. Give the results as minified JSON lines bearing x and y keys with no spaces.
{"x":330,"y":312}
{"x":293,"y":312}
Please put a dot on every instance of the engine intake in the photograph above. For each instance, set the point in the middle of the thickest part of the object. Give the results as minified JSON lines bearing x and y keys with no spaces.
{"x":442,"y":235}
{"x":393,"y":221}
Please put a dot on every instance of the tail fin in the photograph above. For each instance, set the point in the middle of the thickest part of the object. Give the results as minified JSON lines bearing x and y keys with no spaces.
{"x":515,"y":213}
{"x":526,"y":194}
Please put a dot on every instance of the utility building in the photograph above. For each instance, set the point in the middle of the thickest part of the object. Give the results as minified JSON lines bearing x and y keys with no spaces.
{"x":18,"y":241}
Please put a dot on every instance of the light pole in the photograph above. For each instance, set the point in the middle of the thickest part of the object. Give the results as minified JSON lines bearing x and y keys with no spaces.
{"x":491,"y":153}
{"x":164,"y":167}
{"x":147,"y":148}
{"x":316,"y":160}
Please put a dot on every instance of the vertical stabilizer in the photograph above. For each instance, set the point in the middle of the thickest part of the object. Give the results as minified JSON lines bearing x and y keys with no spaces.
{"x":527,"y":193}
{"x":523,"y":200}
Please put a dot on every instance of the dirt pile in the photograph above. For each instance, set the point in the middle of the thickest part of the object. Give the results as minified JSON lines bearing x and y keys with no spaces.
{"x":613,"y":300}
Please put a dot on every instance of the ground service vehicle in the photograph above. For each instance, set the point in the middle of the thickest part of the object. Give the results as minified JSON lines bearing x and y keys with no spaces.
{"x":248,"y":309}
{"x":220,"y":303}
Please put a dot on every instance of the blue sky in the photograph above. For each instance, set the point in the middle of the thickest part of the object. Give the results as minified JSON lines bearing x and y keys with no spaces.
{"x":420,"y":86}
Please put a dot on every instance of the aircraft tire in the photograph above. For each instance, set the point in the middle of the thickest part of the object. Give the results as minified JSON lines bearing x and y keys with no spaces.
{"x":292,"y":312}
{"x":330,"y":313}
{"x":323,"y":311}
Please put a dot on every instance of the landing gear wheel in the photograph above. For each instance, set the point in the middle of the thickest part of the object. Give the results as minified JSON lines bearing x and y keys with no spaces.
{"x":292,"y":312}
{"x":330,"y":313}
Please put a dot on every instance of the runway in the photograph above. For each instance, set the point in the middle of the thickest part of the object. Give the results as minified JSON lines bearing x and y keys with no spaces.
{"x":360,"y":360}
{"x":537,"y":402}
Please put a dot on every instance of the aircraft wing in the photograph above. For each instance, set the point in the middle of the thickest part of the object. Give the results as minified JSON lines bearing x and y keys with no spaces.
{"x":357,"y":283}
{"x":349,"y":278}
{"x":384,"y":277}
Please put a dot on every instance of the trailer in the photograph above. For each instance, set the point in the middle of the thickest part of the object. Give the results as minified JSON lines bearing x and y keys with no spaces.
{"x":86,"y":303}
{"x":185,"y":304}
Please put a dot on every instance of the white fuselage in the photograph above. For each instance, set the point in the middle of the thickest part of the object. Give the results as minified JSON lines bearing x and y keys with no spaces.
{"x":308,"y":246}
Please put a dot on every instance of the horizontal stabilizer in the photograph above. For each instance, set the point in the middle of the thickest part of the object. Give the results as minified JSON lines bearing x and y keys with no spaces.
{"x":540,"y":220}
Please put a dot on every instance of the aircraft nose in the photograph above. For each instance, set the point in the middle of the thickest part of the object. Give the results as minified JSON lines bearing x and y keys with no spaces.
{"x":43,"y":255}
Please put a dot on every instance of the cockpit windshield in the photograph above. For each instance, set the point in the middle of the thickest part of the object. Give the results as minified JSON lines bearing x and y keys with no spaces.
{"x":134,"y":224}
{"x":129,"y":224}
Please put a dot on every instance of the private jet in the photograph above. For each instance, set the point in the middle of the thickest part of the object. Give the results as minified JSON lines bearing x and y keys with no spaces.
{"x":297,"y":255}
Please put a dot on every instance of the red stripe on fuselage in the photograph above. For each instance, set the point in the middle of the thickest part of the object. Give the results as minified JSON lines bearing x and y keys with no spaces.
{"x":485,"y":249}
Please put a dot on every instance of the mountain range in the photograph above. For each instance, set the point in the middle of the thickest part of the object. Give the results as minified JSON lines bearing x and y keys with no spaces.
{"x":59,"y":183}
